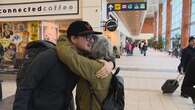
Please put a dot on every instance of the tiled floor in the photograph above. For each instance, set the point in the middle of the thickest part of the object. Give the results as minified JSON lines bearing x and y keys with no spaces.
{"x":144,"y":77}
{"x":8,"y":88}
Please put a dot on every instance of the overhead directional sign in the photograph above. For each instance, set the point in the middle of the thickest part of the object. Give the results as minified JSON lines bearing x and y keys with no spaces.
{"x":131,"y":6}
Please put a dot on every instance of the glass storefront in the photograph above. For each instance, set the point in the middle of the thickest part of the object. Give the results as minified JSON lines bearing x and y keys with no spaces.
{"x":192,"y":30}
{"x":176,"y":23}
{"x":14,"y":36}
{"x":17,"y":32}
{"x":164,"y":22}
{"x":192,"y":27}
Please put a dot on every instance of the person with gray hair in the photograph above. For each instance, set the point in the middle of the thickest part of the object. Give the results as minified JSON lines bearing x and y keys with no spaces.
{"x":102,"y":49}
{"x":73,"y":49}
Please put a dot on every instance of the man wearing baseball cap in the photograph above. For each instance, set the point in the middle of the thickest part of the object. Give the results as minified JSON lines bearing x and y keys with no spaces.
{"x":186,"y":56}
{"x":79,"y":39}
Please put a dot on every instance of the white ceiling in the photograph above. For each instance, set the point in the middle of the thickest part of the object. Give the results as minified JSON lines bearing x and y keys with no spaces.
{"x":133,"y":20}
{"x":152,"y":7}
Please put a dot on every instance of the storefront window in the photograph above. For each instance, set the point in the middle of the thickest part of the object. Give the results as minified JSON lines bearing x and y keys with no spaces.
{"x":164,"y":40}
{"x":193,"y":11}
{"x":164,"y":22}
{"x":14,"y":36}
{"x":175,"y":39}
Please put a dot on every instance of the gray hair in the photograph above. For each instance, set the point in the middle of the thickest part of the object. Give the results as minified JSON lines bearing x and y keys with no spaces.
{"x":101,"y":49}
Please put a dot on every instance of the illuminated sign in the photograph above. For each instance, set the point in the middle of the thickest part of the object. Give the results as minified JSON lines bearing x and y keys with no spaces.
{"x":132,"y":6}
{"x":44,"y":8}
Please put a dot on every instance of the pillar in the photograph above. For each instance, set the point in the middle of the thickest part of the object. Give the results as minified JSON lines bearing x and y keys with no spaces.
{"x":155,"y":25}
{"x":186,"y":18}
{"x":168,"y":25}
{"x":160,"y":20}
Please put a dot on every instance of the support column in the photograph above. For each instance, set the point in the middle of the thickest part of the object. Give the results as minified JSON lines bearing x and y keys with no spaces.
{"x":160,"y":20}
{"x":186,"y":18}
{"x":155,"y":25}
{"x":168,"y":25}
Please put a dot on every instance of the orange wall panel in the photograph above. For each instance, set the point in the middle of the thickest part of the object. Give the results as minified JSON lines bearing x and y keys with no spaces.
{"x":148,"y":26}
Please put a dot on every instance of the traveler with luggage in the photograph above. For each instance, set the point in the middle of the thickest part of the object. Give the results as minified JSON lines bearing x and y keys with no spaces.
{"x":189,"y":81}
{"x":187,"y":54}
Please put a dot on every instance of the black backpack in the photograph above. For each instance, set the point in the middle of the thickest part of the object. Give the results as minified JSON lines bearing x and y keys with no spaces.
{"x":115,"y":97}
{"x":31,"y":51}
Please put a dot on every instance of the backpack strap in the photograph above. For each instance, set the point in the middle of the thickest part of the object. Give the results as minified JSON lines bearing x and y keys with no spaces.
{"x":92,"y":93}
{"x":117,"y":71}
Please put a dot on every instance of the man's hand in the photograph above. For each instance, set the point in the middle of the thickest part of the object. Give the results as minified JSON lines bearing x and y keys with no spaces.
{"x":105,"y":70}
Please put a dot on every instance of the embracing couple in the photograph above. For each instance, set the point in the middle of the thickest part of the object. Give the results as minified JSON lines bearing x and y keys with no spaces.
{"x":54,"y":73}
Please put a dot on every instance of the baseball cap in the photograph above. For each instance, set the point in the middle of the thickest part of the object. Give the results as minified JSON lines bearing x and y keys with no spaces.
{"x":80,"y":28}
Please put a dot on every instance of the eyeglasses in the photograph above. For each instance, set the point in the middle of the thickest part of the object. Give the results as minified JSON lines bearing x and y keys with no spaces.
{"x":91,"y":38}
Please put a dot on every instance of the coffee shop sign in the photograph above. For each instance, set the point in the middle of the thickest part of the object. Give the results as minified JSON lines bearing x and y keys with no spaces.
{"x":29,"y":9}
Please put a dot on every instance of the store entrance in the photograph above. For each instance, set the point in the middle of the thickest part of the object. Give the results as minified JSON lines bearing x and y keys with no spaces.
{"x":14,"y":36}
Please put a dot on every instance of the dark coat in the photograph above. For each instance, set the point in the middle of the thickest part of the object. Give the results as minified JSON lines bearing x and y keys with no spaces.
{"x":189,"y":80}
{"x":187,"y":54}
{"x":47,"y":85}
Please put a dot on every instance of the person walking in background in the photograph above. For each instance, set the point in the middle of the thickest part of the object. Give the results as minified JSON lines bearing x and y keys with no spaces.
{"x":127,"y":47}
{"x":141,"y":44}
{"x":116,"y":52}
{"x":187,"y":54}
{"x":133,"y":45}
{"x":144,"y":48}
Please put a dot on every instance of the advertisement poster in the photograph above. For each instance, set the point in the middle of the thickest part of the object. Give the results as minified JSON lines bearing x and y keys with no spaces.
{"x":50,"y":31}
{"x":7,"y":30}
{"x":5,"y":42}
{"x":34,"y":30}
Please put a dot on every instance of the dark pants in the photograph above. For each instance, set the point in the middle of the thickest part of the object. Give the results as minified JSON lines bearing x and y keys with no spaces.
{"x":188,"y":83}
{"x":189,"y":80}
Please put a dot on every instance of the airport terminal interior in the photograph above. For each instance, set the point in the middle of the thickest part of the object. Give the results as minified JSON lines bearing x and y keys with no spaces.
{"x":148,"y":40}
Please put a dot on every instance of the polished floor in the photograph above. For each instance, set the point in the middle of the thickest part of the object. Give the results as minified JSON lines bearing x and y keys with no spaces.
{"x":144,"y":77}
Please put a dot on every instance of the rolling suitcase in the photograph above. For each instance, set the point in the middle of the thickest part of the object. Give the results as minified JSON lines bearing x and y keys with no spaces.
{"x":171,"y":85}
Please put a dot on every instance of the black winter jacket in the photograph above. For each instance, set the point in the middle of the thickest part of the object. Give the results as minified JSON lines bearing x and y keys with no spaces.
{"x":187,"y":54}
{"x":47,"y":85}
